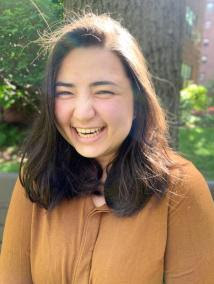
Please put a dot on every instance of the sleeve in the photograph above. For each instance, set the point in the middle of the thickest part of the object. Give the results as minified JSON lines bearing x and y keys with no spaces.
{"x":189,"y":256}
{"x":15,"y":252}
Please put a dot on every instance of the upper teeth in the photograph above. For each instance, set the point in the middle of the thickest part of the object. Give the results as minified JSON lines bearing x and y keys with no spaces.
{"x":88,"y":130}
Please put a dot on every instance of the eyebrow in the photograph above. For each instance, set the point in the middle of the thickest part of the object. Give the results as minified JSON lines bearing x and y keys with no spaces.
{"x":94,"y":84}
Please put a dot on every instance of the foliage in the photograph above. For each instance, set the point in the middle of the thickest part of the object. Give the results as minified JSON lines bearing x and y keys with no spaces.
{"x":11,"y":135}
{"x":197,"y":145}
{"x":10,"y":96}
{"x":9,"y":166}
{"x":206,"y":120}
{"x":192,"y":98}
{"x":20,"y":25}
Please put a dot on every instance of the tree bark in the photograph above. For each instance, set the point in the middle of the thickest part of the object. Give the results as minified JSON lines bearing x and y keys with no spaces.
{"x":159,"y":27}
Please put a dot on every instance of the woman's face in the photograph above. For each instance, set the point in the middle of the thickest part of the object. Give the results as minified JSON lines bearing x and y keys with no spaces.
{"x":94,"y":102}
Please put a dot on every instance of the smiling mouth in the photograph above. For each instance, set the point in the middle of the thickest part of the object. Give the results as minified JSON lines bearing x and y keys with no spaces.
{"x":88,"y":132}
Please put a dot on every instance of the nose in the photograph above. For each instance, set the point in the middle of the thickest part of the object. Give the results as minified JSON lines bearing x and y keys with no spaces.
{"x":84,"y":109}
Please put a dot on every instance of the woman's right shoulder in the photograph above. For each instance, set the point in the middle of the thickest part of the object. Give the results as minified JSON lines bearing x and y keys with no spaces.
{"x":19,"y":191}
{"x":19,"y":201}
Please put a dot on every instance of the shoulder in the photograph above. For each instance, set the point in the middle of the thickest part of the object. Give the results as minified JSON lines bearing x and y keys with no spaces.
{"x":188,"y":184}
{"x":20,"y":205}
{"x":19,"y":193}
{"x":190,"y":227}
{"x":185,"y":172}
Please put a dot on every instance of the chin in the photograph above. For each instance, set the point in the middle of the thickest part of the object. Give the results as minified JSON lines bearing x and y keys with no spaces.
{"x":88,"y":154}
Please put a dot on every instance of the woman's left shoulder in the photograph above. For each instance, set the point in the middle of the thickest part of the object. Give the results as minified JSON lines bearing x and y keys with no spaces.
{"x":189,"y":256}
{"x":188,"y":182}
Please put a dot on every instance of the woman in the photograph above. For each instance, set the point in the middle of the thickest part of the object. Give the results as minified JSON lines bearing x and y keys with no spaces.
{"x":101,"y":198}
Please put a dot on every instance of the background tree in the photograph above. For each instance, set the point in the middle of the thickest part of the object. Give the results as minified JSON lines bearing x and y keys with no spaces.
{"x":158,"y":26}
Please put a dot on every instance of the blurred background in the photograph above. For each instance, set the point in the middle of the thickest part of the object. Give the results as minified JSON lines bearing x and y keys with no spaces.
{"x":177,"y":39}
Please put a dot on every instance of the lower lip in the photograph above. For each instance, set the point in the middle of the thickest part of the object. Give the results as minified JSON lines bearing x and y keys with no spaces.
{"x":89,"y":139}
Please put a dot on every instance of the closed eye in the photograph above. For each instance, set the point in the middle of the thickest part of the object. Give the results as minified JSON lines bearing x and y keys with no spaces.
{"x":105,"y":92}
{"x":64,"y":94}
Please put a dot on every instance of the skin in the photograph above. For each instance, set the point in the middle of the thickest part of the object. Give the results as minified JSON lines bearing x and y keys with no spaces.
{"x":93,"y":91}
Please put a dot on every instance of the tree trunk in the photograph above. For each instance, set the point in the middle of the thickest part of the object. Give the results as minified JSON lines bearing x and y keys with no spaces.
{"x":158,"y":26}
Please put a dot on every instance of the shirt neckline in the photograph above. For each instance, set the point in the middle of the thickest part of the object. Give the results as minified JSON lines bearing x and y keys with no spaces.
{"x":102,"y":208}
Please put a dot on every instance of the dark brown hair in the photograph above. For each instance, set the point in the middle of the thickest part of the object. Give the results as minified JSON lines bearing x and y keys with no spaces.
{"x":51,"y":169}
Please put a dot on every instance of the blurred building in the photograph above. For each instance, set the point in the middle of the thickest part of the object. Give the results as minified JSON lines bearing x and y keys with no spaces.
{"x":207,"y":47}
{"x":194,"y":22}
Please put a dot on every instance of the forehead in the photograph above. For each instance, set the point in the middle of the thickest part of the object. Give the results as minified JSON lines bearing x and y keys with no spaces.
{"x":91,"y":62}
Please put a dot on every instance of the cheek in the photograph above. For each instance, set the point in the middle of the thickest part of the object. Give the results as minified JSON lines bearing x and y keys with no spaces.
{"x":118,"y":116}
{"x":61,"y":111}
{"x":118,"y":113}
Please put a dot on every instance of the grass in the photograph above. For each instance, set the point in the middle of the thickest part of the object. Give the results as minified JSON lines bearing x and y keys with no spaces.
{"x":197,"y":145}
{"x":9,"y":167}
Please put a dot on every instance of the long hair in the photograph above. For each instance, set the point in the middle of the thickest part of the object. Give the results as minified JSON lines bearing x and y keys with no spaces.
{"x":51,"y":170}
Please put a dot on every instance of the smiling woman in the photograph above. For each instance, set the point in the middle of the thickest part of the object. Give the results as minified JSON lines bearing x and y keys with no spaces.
{"x":94,"y":105}
{"x":101,"y":197}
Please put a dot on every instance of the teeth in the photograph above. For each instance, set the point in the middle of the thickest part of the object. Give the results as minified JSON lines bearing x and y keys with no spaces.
{"x":88,"y":130}
{"x":88,"y":135}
